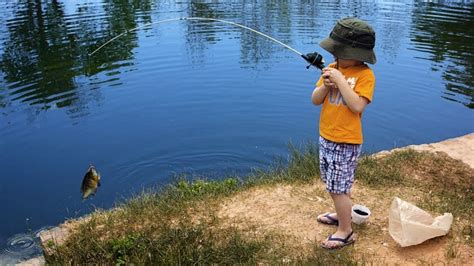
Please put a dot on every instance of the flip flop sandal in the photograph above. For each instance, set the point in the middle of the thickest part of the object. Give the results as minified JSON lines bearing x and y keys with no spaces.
{"x":332,"y":221}
{"x":344,"y":242}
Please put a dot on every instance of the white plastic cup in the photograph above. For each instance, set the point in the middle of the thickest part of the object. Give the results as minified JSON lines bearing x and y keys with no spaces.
{"x":360,"y":214}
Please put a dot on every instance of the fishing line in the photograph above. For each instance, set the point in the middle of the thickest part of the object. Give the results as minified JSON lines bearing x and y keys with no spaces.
{"x":314,"y":59}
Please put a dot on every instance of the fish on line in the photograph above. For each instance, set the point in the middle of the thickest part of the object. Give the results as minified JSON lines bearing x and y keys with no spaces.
{"x":90,"y":182}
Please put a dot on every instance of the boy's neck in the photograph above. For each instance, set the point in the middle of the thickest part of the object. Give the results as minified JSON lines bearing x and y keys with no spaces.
{"x":345,"y":63}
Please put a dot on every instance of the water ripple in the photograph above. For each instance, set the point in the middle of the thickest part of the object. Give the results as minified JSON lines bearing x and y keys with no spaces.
{"x":20,"y":247}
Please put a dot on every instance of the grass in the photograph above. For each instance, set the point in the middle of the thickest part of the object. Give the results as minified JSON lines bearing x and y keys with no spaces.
{"x":302,"y":166}
{"x":322,"y":257}
{"x":169,"y":242}
{"x":468,"y":233}
{"x":161,"y":226}
{"x":386,"y":171}
{"x":179,"y":224}
{"x":452,"y":250}
{"x":445,"y":184}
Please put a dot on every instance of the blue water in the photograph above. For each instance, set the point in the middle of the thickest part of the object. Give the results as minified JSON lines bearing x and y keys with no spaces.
{"x":203,"y":99}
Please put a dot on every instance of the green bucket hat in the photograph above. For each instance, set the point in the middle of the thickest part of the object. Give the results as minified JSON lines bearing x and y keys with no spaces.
{"x":351,"y":38}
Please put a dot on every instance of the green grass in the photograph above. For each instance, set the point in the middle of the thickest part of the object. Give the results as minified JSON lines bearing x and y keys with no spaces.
{"x":468,"y":233}
{"x":322,"y":257}
{"x":179,"y":224}
{"x":158,"y":227}
{"x":302,"y":166}
{"x":452,"y":250}
{"x":169,"y":243}
{"x":445,"y":184}
{"x":459,"y":202}
{"x":386,"y":171}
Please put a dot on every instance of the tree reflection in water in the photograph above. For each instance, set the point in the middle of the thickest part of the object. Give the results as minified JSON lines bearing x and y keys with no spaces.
{"x":45,"y":55}
{"x":45,"y":64}
{"x":448,"y":44}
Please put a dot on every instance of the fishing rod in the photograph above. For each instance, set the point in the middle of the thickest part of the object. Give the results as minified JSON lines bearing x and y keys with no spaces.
{"x":314,"y":59}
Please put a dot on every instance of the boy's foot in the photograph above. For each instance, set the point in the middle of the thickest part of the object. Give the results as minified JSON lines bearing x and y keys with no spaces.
{"x":328,"y":218}
{"x":336,"y":242}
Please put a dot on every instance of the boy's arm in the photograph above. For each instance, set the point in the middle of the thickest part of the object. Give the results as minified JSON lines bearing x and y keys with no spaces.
{"x":319,"y":94}
{"x":355,"y":102}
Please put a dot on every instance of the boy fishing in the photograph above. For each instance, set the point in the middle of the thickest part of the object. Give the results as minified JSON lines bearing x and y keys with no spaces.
{"x":344,"y":89}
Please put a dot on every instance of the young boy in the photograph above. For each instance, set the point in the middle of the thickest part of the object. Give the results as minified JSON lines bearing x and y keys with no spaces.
{"x":345,"y":89}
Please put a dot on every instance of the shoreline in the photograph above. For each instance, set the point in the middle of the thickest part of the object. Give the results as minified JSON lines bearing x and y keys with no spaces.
{"x":459,"y":148}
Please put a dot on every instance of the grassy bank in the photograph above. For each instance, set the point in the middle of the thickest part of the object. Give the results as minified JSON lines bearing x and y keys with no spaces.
{"x":180,"y":224}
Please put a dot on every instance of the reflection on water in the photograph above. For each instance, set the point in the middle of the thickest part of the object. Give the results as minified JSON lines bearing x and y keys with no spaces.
{"x":445,"y":35}
{"x":45,"y":60}
{"x":45,"y":63}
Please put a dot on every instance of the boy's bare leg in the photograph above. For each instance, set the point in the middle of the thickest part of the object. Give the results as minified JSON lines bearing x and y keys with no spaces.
{"x":343,"y":205}
{"x":334,"y":214}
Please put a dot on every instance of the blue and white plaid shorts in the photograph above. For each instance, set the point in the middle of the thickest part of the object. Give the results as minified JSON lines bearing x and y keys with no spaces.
{"x":338,"y":162}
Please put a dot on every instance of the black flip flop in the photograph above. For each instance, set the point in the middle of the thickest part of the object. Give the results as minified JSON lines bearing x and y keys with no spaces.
{"x":332,"y":221}
{"x":345,"y":242}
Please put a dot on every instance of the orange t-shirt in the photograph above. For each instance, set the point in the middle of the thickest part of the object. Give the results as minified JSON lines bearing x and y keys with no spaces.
{"x":337,"y":122}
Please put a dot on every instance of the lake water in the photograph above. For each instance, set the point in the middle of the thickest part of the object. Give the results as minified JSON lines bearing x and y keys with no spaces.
{"x":199,"y":98}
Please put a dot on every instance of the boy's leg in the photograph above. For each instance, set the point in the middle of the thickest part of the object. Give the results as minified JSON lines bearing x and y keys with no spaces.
{"x":334,"y":214}
{"x":343,"y":205}
{"x":323,"y":168}
{"x":342,"y":161}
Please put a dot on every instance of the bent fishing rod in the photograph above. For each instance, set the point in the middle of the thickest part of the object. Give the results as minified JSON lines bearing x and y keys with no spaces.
{"x":314,"y":59}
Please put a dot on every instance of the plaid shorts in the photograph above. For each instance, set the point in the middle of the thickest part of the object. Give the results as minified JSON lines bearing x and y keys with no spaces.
{"x":338,"y":162}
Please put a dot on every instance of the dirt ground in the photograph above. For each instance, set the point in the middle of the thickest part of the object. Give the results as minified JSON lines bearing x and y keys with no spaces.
{"x":292,"y":209}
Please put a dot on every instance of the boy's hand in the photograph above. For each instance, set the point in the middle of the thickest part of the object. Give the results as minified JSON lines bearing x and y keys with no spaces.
{"x":328,"y":83}
{"x":332,"y":76}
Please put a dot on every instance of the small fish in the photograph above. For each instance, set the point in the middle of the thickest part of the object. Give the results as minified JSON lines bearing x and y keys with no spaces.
{"x":90,"y":182}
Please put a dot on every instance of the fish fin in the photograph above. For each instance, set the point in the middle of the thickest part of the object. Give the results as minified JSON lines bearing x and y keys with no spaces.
{"x":98,"y":183}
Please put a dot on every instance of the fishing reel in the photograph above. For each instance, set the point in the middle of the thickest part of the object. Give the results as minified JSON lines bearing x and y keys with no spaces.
{"x":314,"y":59}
